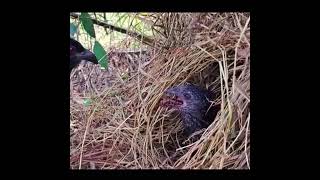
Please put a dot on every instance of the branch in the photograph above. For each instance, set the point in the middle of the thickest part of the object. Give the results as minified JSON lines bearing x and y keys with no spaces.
{"x":145,"y":40}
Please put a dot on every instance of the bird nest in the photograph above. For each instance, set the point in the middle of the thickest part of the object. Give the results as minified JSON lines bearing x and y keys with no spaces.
{"x":124,"y":127}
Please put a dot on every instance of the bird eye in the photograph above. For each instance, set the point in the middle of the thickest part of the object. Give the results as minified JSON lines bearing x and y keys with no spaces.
{"x":187,"y":95}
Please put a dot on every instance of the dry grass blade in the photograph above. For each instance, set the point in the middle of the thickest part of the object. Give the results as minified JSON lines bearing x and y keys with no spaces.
{"x":124,"y":128}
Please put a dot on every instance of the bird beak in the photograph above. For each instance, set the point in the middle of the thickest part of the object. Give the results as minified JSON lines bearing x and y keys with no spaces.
{"x":89,"y":56}
{"x":170,"y":99}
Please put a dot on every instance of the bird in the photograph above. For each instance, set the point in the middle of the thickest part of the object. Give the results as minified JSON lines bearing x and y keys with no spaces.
{"x":193,"y":104}
{"x":79,"y":53}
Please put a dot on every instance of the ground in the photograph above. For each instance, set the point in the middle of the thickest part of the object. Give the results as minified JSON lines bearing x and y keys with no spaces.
{"x":115,"y":117}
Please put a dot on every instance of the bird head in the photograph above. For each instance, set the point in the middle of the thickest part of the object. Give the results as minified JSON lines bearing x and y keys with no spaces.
{"x":186,"y":98}
{"x":79,"y":53}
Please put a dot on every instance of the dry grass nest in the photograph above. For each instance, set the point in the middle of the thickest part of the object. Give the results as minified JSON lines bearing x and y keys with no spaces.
{"x":124,"y":127}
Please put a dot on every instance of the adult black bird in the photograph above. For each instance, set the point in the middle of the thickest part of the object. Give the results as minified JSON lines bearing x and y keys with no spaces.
{"x":79,"y":53}
{"x":193,"y":104}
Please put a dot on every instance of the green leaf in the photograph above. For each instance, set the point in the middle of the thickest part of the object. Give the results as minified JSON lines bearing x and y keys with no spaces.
{"x":87,"y":24}
{"x":87,"y":102}
{"x":73,"y":29}
{"x":100,"y":54}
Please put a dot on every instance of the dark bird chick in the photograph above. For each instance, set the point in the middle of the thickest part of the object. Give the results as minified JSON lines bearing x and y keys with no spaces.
{"x":79,"y":53}
{"x":192,"y":102}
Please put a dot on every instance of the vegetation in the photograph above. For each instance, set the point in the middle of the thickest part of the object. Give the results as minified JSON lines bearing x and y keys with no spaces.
{"x":123,"y":126}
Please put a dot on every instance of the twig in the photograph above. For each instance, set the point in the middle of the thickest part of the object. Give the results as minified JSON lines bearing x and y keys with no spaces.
{"x":145,"y":40}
